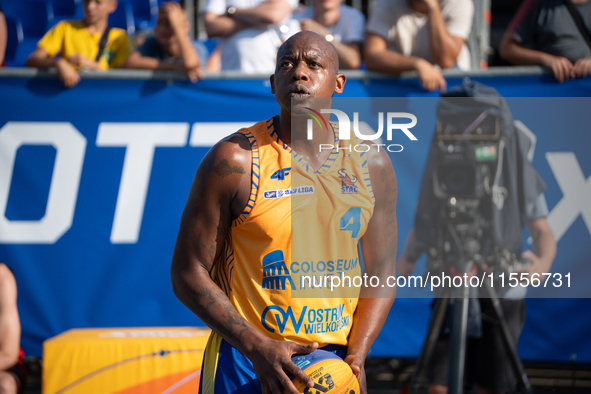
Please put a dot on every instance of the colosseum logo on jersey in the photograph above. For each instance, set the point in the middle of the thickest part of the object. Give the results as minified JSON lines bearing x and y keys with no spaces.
{"x":275,"y":272}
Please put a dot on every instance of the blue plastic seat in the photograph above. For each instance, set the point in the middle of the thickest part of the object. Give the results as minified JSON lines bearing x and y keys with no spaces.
{"x":144,"y":12}
{"x":67,"y":8}
{"x":14,"y":28}
{"x":210,"y":44}
{"x":25,"y":48}
{"x":35,"y":15}
{"x":123,"y":18}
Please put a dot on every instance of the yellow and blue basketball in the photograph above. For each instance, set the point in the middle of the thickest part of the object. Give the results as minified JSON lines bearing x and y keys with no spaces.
{"x":331,"y":375}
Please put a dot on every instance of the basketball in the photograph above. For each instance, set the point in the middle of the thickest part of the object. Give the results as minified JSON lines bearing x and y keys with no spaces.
{"x":329,"y":373}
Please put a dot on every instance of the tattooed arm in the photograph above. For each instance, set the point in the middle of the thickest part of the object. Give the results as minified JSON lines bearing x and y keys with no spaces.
{"x":379,"y":255}
{"x":219,"y":193}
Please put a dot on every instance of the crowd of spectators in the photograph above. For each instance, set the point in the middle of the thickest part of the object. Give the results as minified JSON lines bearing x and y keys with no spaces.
{"x":425,"y":36}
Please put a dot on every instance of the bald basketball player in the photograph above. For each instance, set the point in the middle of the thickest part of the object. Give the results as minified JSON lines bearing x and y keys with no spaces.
{"x":234,"y":259}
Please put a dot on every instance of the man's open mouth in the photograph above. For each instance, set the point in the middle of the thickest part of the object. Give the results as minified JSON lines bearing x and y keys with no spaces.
{"x":299,"y":91}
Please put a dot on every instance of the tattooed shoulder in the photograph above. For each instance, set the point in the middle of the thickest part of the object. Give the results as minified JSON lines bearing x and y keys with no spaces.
{"x":223,"y":169}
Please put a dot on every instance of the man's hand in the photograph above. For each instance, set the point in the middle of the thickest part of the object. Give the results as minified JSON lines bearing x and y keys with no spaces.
{"x":582,"y":67}
{"x":430,"y":76}
{"x":312,"y":25}
{"x":404,"y":266}
{"x":561,"y":67}
{"x":67,"y":74}
{"x":544,"y":247}
{"x":81,"y":61}
{"x":357,"y":366}
{"x":537,"y":266}
{"x":271,"y":360}
{"x":176,"y":16}
{"x":195,"y":74}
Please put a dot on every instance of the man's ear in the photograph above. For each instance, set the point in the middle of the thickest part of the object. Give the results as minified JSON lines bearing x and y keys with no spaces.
{"x":340,"y":83}
{"x":272,"y":80}
{"x":113,"y":6}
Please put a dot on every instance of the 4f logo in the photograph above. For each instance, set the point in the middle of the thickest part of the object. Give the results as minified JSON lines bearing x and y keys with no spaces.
{"x":281,"y":174}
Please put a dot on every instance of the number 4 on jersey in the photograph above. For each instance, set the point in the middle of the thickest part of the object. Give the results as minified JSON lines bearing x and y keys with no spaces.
{"x":351,"y":221}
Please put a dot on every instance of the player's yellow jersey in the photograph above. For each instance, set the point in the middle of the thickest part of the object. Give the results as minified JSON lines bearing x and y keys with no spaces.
{"x":297,"y":223}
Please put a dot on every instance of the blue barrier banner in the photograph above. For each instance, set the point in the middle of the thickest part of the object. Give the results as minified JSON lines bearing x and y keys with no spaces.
{"x":93,"y":181}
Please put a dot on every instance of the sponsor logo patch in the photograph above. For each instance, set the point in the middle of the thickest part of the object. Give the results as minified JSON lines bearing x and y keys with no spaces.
{"x":281,"y":174}
{"x":294,"y":191}
{"x":347,"y":183}
{"x":275,"y":272}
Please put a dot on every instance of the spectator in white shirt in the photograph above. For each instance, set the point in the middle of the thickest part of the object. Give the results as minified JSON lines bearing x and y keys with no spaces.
{"x":339,"y":24}
{"x":419,"y":35}
{"x":251,"y":31}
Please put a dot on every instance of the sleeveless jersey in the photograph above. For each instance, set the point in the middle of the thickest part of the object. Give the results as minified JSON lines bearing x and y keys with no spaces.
{"x":299,"y":229}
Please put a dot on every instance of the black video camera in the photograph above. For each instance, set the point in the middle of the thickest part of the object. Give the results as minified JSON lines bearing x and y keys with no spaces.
{"x":469,"y":150}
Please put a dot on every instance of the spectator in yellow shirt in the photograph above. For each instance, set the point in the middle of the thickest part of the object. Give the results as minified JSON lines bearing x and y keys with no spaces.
{"x":74,"y":45}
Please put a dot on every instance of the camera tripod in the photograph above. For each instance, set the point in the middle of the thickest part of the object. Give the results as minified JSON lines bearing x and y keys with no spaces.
{"x":457,"y":347}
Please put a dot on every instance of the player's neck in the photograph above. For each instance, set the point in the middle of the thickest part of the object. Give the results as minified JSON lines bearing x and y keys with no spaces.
{"x":293,"y":132}
{"x":96,"y":27}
